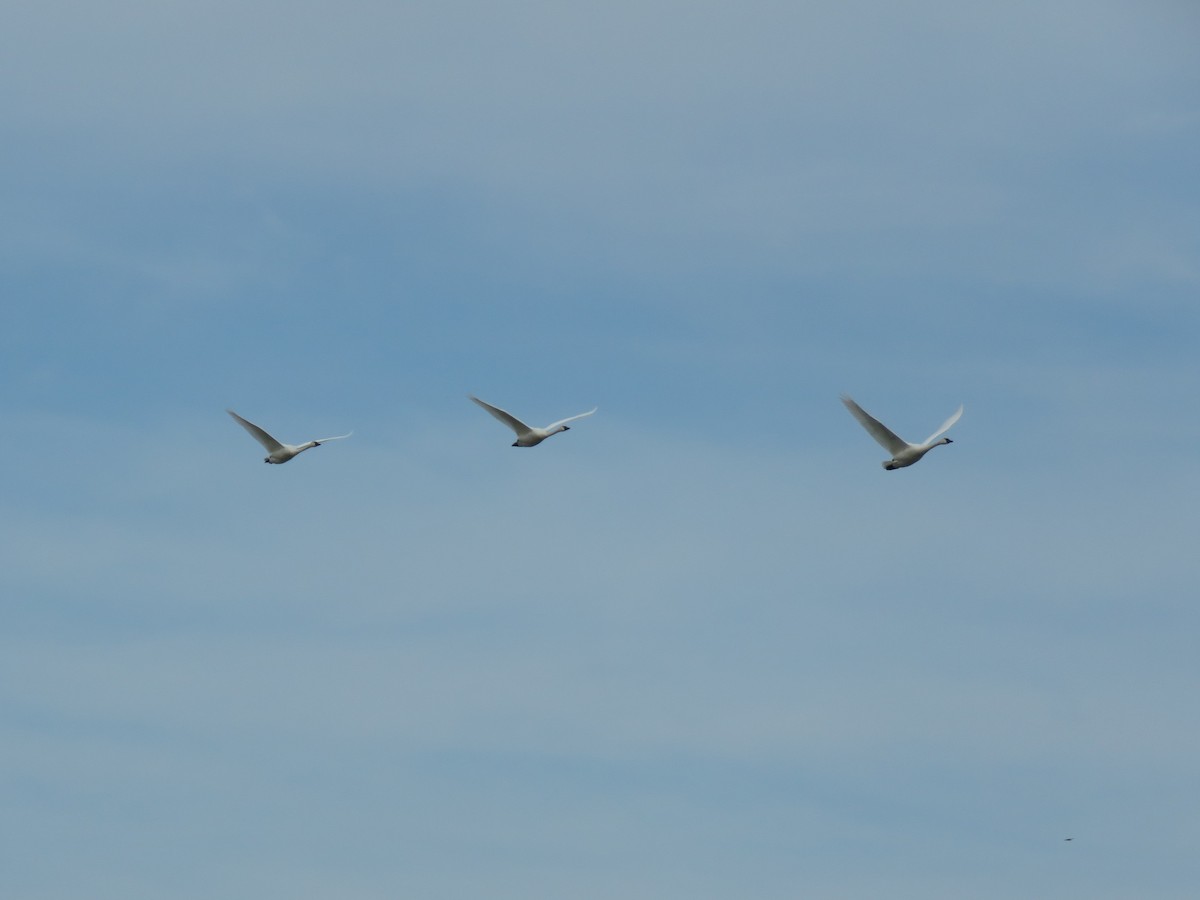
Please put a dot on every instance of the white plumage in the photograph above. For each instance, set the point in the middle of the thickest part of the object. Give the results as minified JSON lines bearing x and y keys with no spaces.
{"x":528,"y":436}
{"x":903,"y":453}
{"x":277,"y":452}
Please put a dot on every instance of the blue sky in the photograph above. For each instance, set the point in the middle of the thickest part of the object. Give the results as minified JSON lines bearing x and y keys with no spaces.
{"x":703,"y":645}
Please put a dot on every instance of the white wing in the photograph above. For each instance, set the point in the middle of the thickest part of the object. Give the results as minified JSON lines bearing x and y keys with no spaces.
{"x":886,"y":438}
{"x":945,"y":426}
{"x":271,"y":445}
{"x":572,"y":419}
{"x":507,"y":418}
{"x":338,"y":438}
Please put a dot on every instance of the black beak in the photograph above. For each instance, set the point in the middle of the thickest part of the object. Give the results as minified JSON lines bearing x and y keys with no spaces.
{"x":515,"y":444}
{"x":948,"y":441}
{"x":566,"y":428}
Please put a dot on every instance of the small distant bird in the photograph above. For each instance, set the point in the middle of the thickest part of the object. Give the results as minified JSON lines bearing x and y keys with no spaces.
{"x":1068,"y":839}
{"x":903,"y":453}
{"x":278,"y":453}
{"x":527,"y":436}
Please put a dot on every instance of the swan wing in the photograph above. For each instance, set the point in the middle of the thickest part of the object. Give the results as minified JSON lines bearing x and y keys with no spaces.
{"x":507,"y":418}
{"x":337,"y":438}
{"x":945,"y":425}
{"x":571,"y":419}
{"x":885,"y":436}
{"x":268,"y":442}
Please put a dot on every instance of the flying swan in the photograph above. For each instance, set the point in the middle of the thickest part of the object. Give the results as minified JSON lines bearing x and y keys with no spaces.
{"x":526,"y":436}
{"x":903,"y":453}
{"x":278,"y":453}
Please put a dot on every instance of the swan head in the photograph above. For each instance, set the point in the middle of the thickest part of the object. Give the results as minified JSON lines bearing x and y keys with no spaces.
{"x":947,"y":441}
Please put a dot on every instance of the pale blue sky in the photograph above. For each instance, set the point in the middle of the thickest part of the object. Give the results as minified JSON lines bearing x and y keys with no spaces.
{"x":702,"y":646}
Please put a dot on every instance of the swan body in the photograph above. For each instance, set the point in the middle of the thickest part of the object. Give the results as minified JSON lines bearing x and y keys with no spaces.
{"x":903,"y":453}
{"x":526,"y":435}
{"x":279,"y":453}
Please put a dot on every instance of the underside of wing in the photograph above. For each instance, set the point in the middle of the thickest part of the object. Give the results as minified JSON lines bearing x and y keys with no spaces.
{"x":571,"y":419}
{"x":886,"y":438}
{"x":945,"y":425}
{"x":271,"y":445}
{"x":507,"y":418}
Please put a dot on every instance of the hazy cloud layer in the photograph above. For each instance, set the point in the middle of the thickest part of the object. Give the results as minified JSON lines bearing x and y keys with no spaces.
{"x":702,"y":645}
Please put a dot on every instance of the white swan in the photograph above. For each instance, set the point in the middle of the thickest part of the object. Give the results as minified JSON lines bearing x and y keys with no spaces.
{"x":903,"y":453}
{"x":279,"y":453}
{"x":526,"y":436}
